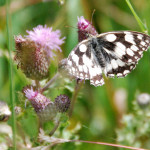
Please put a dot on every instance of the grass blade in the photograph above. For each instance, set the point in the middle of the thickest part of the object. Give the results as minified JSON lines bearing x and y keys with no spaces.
{"x":9,"y":42}
{"x":141,"y":24}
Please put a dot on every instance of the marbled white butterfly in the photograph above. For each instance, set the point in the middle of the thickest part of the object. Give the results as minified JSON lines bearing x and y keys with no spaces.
{"x":111,"y":53}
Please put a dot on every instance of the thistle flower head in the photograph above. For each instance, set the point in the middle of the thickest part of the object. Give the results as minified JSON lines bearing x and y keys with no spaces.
{"x":83,"y":23}
{"x":33,"y":51}
{"x":85,"y":28}
{"x":45,"y":37}
{"x":62,"y":103}
{"x":45,"y":109}
{"x":38,"y":101}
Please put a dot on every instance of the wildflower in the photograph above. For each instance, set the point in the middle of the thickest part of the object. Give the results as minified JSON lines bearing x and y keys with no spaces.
{"x":62,"y":103}
{"x":85,"y":28}
{"x":48,"y":39}
{"x":44,"y":107}
{"x":143,"y":100}
{"x":33,"y":52}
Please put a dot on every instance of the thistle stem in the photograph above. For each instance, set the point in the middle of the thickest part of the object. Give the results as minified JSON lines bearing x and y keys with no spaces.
{"x":50,"y":82}
{"x":74,"y":97}
{"x":55,"y":128}
{"x":37,"y":83}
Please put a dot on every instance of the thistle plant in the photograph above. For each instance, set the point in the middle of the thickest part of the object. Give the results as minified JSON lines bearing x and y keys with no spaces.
{"x":34,"y":53}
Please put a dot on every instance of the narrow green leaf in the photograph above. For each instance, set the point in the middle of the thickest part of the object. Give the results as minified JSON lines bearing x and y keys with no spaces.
{"x":141,"y":24}
{"x":11,"y":89}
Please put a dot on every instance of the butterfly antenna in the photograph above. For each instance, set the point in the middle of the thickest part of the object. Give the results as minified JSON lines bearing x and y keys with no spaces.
{"x":92,"y":15}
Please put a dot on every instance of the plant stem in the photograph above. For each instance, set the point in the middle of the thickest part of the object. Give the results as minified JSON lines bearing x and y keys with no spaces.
{"x":37,"y":84}
{"x":141,"y":24}
{"x":50,"y":82}
{"x":108,"y":144}
{"x":55,"y":128}
{"x":12,"y":101}
{"x":74,"y":97}
{"x":110,"y":92}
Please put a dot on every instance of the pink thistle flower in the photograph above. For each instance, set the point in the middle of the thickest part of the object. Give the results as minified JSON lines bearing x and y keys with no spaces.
{"x":48,"y":39}
{"x":33,"y":51}
{"x":85,"y":28}
{"x":44,"y":107}
{"x":38,"y":101}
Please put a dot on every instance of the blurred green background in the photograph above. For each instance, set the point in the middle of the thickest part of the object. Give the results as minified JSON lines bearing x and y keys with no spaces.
{"x":98,"y":109}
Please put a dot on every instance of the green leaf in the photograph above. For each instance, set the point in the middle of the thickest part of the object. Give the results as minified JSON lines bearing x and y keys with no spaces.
{"x":141,"y":24}
{"x":2,"y":2}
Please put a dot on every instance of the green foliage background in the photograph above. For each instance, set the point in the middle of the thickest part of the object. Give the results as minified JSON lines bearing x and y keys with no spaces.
{"x":95,"y":109}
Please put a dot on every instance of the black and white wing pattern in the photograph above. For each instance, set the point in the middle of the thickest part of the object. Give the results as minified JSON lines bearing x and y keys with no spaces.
{"x":111,"y":53}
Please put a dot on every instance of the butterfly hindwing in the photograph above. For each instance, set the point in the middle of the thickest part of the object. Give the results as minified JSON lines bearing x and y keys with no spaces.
{"x":111,"y":53}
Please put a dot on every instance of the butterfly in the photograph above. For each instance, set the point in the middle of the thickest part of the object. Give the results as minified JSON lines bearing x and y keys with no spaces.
{"x":110,"y":53}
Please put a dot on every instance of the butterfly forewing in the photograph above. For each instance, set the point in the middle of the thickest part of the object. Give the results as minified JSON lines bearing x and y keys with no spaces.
{"x":127,"y":47}
{"x":83,"y":64}
{"x":111,"y":53}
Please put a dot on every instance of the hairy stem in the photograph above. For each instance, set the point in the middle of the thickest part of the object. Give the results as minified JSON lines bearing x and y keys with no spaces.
{"x":55,"y":128}
{"x":74,"y":97}
{"x":50,"y":82}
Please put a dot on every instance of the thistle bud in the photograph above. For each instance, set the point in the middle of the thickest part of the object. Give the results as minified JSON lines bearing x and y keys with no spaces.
{"x":44,"y":107}
{"x":32,"y":59}
{"x":33,"y":52}
{"x":85,"y":28}
{"x":62,"y":103}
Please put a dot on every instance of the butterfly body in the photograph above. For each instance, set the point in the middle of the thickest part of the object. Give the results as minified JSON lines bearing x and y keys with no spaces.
{"x":111,"y":53}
